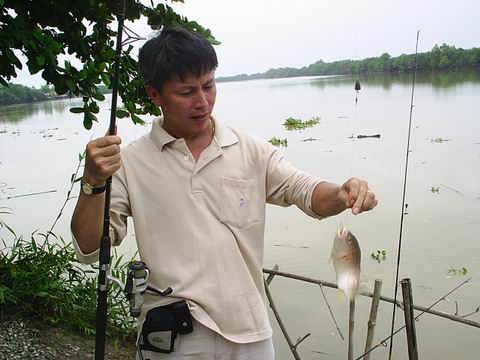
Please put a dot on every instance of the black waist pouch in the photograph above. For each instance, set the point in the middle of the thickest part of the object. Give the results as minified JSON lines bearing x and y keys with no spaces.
{"x":162,"y":325}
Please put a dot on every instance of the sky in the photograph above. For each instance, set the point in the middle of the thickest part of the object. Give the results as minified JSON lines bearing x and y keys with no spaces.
{"x":257,"y":35}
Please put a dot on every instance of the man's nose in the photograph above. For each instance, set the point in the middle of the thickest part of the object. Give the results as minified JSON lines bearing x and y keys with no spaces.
{"x":201,"y":100}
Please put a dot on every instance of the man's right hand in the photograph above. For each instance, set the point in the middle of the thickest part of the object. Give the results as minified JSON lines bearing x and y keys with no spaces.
{"x":102,"y":160}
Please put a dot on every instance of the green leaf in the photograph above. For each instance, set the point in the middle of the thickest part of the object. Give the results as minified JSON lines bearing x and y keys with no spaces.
{"x":38,"y":35}
{"x":11,"y":56}
{"x":93,"y":107}
{"x":88,"y":120}
{"x":40,"y":60}
{"x":137,"y":120}
{"x":98,"y":96}
{"x":3,"y":224}
{"x":155,"y":110}
{"x":77,"y":110}
{"x":105,"y":79}
{"x":68,"y":66}
{"x":71,"y":85}
{"x":87,"y":124}
{"x":121,"y":113}
{"x":130,"y":106}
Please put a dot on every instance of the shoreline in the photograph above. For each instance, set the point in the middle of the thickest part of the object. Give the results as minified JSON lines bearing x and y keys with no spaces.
{"x":30,"y":339}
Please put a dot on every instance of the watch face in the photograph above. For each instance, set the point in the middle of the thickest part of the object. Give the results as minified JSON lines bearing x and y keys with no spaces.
{"x":87,"y":190}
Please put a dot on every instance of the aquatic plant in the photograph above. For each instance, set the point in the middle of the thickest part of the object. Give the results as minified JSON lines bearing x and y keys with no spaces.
{"x":297,"y":124}
{"x":379,"y":255}
{"x":278,"y":142}
{"x":460,"y":271}
{"x":439,"y":140}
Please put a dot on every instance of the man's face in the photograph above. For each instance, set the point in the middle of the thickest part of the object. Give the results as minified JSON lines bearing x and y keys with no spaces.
{"x":186,"y":105}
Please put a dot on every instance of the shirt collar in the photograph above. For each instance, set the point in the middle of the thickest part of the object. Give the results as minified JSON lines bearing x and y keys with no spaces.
{"x":159,"y":135}
{"x":224,"y":136}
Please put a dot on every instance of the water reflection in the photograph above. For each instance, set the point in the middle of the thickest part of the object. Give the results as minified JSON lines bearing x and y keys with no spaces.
{"x":17,"y":113}
{"x":437,"y":80}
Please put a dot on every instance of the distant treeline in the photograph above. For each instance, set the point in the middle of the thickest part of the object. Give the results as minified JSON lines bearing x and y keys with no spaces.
{"x":17,"y":94}
{"x":20,"y":94}
{"x":442,"y":57}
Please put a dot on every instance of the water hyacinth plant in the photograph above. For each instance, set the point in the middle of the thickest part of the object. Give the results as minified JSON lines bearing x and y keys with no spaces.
{"x":278,"y":142}
{"x":298,"y":124}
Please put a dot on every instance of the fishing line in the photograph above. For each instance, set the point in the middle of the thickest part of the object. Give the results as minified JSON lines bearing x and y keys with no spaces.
{"x":403,"y":197}
{"x":352,"y":155}
{"x":357,"y":88}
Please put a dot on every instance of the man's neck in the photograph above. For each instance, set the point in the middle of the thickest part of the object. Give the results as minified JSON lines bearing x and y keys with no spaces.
{"x":197,"y":142}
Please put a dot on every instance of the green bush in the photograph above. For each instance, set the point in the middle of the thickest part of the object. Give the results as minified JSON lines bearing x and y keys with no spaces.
{"x":41,"y":277}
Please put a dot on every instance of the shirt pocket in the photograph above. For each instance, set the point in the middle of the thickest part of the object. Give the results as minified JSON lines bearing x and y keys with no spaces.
{"x":239,"y":203}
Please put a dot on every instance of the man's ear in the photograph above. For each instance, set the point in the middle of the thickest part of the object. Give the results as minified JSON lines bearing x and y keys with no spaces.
{"x":153,"y":94}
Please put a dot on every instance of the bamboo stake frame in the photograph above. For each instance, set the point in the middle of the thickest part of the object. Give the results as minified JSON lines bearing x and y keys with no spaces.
{"x":369,"y":294}
{"x":376,"y":297}
{"x":372,"y":321}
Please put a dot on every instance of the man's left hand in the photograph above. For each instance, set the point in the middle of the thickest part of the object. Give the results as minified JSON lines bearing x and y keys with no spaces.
{"x":357,"y":196}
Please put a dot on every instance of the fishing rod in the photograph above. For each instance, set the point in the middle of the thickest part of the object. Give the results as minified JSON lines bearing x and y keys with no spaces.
{"x":403,"y":198}
{"x":104,"y":255}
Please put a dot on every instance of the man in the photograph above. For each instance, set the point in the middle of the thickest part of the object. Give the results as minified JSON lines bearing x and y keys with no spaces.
{"x":197,"y":193}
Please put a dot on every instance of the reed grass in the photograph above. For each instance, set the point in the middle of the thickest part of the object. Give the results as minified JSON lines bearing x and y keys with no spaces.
{"x":41,"y":277}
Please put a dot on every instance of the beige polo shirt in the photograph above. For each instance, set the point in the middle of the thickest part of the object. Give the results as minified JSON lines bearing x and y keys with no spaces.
{"x":199,"y":225}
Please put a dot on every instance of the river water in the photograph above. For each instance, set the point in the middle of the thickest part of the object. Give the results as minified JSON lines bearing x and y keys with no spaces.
{"x":40,"y":144}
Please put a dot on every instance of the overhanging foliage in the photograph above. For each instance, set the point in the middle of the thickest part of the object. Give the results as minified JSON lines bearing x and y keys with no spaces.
{"x":43,"y":30}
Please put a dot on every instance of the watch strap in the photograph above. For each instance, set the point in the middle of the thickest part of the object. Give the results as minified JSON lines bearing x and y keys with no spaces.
{"x":93,"y":189}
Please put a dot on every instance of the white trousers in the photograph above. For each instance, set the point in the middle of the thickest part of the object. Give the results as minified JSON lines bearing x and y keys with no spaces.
{"x":205,"y":344}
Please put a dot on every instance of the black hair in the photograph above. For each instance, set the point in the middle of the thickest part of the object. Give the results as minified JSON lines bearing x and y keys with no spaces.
{"x":175,"y":52}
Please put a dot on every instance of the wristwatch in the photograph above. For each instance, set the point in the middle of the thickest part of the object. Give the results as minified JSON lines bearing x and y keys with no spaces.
{"x":88,"y":189}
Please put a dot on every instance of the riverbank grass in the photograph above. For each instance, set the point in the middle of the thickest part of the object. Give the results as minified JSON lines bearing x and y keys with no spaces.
{"x":40,"y":277}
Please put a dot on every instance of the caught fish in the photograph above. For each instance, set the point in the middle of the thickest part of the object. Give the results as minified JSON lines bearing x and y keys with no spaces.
{"x":346,"y":258}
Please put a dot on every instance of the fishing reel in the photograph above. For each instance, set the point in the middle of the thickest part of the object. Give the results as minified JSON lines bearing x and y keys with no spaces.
{"x":136,"y":285}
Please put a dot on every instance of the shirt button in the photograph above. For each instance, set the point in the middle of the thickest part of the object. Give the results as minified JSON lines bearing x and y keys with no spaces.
{"x":186,"y":157}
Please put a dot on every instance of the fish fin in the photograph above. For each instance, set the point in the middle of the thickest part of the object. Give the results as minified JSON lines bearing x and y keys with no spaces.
{"x":341,"y":295}
{"x":343,"y":283}
{"x":348,"y":283}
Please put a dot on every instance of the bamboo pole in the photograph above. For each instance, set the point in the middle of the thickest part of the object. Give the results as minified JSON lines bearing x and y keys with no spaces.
{"x":372,"y":321}
{"x":416,"y":318}
{"x":409,"y":319}
{"x":383,"y":298}
{"x":351,"y":325}
{"x":271,"y":276}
